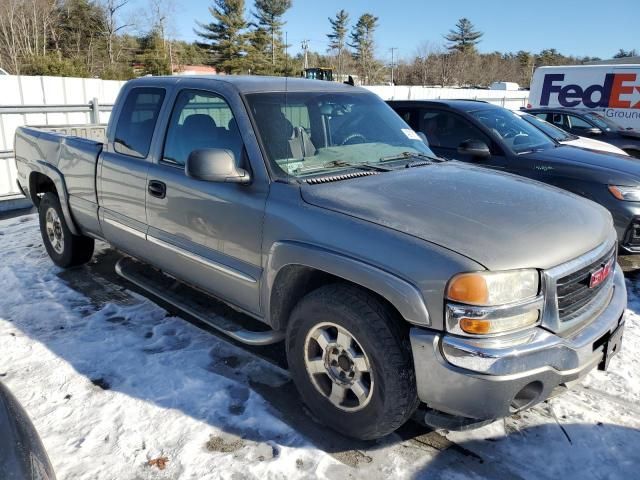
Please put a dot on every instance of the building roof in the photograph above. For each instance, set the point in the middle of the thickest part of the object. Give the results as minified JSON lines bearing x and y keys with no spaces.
{"x":194,"y":70}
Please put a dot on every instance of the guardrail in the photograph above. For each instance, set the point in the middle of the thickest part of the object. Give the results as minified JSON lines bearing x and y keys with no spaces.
{"x":93,"y":108}
{"x":8,"y":185}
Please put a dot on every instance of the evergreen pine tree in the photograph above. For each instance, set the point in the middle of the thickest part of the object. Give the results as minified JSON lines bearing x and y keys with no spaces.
{"x":337,"y":38}
{"x":464,"y":37}
{"x":226,"y":36}
{"x":363,"y":46}
{"x":269,"y":22}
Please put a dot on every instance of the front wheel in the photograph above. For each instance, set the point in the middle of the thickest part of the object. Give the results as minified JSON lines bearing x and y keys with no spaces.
{"x":633,"y":152}
{"x":65,"y":249}
{"x":351,"y":362}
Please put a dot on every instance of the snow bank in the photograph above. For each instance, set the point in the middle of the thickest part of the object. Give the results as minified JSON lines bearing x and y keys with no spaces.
{"x":119,"y":389}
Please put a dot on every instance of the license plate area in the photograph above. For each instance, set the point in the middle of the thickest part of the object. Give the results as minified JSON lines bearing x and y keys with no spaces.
{"x":611,"y":347}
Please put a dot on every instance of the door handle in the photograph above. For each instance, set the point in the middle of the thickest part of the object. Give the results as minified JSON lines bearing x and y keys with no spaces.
{"x":157,"y":188}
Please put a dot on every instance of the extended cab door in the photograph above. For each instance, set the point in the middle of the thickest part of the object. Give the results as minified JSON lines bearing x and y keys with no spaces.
{"x":206,"y":233}
{"x":122,"y":171}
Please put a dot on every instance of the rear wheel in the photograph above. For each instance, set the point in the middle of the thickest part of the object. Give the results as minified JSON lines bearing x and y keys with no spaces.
{"x":64,"y":248}
{"x":351,"y":362}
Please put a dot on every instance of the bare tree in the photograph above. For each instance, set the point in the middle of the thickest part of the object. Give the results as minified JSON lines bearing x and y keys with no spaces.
{"x":113,"y":26}
{"x":25,"y":26}
{"x":161,"y":14}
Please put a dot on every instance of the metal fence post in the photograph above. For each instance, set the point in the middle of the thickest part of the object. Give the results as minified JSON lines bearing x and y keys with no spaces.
{"x":95,"y":111}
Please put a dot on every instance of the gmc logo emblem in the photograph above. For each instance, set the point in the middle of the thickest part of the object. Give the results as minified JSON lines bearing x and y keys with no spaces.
{"x":601,"y":274}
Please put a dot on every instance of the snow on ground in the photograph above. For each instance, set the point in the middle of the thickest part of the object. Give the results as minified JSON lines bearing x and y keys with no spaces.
{"x":112,"y":382}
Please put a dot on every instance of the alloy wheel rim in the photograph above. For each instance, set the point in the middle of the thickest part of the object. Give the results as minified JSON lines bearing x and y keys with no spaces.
{"x":338,"y":367}
{"x":53,"y":227}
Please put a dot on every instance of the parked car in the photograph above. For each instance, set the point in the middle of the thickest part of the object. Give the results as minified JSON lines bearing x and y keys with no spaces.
{"x":566,"y":138}
{"x":392,"y":276}
{"x":497,"y":138}
{"x":609,"y":89}
{"x":593,"y":125}
{"x":22,"y":455}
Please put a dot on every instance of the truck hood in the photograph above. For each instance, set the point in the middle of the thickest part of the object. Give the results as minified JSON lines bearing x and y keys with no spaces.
{"x":590,"y":143}
{"x":498,"y":220}
{"x":625,"y":166}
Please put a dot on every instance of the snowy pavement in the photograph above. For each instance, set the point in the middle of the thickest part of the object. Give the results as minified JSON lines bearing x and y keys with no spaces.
{"x":118,"y":388}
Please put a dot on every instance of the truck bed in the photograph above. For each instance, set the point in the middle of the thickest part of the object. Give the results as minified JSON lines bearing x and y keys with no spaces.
{"x":96,"y":133}
{"x":63,"y":154}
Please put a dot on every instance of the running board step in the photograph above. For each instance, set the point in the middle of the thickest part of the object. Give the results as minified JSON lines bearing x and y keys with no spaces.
{"x":191,"y":301}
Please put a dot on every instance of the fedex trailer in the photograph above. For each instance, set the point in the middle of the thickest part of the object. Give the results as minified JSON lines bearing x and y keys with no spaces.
{"x":613,"y":90}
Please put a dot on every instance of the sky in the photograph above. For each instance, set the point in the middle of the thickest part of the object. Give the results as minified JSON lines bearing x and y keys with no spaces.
{"x":573,"y":27}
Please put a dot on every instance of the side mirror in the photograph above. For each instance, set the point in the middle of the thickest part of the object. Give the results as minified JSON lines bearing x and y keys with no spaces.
{"x":475,"y":148}
{"x":595,"y":131}
{"x":215,"y":165}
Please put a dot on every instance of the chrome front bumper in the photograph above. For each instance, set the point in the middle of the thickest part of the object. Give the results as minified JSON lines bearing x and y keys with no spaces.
{"x":488,"y":378}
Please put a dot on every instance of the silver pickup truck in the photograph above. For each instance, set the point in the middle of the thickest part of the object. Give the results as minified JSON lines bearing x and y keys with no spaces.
{"x":399,"y":282}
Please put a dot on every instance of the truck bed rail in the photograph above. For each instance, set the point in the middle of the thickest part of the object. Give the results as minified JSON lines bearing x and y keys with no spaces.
{"x":97,"y":133}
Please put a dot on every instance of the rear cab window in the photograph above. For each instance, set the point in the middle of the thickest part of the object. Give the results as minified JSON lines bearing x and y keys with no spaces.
{"x":137,"y":121}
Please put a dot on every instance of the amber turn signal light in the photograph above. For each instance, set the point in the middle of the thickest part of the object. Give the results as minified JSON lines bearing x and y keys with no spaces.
{"x":475,"y":327}
{"x":469,"y":288}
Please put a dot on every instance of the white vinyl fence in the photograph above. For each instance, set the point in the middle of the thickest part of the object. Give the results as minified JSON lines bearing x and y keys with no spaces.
{"x":511,"y":99}
{"x":82,"y":101}
{"x":47,"y":101}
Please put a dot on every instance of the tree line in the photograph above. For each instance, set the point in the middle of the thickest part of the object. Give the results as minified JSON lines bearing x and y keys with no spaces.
{"x":239,"y":45}
{"x":107,"y":39}
{"x":256,"y":44}
{"x":85,"y":38}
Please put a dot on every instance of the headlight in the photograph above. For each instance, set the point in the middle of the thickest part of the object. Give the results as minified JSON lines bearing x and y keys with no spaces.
{"x":493,"y":288}
{"x":492,"y":303}
{"x":627,"y":194}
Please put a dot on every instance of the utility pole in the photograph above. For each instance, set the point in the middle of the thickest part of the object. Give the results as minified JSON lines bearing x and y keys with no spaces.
{"x":305,"y":48}
{"x":393,"y":49}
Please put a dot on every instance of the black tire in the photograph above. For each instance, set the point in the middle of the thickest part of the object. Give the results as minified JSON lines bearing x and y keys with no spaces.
{"x":633,"y":153}
{"x":75,"y":249}
{"x":380,"y":336}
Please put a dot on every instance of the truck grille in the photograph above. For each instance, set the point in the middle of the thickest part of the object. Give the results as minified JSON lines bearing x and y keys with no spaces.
{"x":573,"y":290}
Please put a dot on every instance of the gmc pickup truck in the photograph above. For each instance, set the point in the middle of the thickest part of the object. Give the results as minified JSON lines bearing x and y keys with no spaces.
{"x":401,"y":284}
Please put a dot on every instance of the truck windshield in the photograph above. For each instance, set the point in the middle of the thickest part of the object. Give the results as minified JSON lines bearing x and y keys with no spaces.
{"x":315,"y":133}
{"x":518,"y":134}
{"x":554,"y":132}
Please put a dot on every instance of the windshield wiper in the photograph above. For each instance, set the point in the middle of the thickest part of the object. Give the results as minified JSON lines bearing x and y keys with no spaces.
{"x":322,"y":169}
{"x":535,"y":150}
{"x":408,"y":155}
{"x":357,"y":166}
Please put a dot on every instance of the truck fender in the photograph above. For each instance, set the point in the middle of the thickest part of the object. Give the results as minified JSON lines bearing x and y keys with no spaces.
{"x":56,"y":177}
{"x":404,"y":296}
